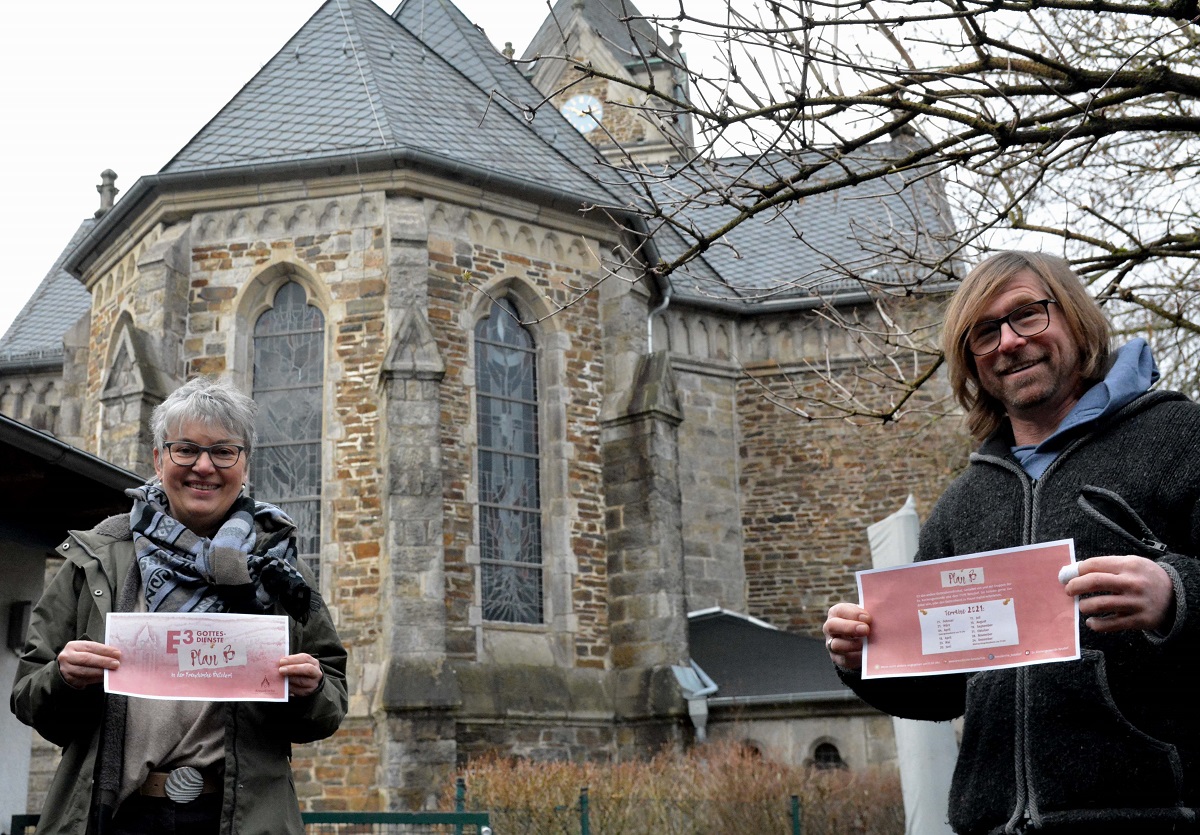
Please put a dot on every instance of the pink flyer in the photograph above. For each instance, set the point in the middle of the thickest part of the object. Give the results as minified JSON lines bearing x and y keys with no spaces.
{"x":209,"y":657}
{"x":1002,"y":608}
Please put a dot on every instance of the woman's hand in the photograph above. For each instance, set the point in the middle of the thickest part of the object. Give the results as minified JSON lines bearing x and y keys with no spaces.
{"x":845,"y":628}
{"x":83,"y":662}
{"x":303,"y":673}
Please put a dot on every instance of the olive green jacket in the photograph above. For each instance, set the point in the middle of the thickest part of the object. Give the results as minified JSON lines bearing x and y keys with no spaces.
{"x":259,"y":793}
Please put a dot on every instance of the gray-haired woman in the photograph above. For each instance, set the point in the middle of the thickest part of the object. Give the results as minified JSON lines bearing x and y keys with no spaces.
{"x":193,"y":542}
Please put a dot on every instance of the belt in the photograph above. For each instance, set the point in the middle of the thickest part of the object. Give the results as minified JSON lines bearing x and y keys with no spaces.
{"x":182,"y":785}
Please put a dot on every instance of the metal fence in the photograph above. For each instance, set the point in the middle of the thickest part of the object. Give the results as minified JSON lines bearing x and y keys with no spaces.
{"x":396,"y":823}
{"x":358,"y":823}
{"x":631,"y":816}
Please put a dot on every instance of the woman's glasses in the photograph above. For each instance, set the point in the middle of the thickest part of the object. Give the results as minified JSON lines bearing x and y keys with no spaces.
{"x":186,"y":454}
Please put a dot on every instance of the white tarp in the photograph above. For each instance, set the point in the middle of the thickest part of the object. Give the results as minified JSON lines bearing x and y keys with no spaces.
{"x":926,"y":750}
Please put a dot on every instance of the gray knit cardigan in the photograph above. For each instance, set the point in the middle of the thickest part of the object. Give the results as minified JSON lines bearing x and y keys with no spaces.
{"x":1109,"y":743}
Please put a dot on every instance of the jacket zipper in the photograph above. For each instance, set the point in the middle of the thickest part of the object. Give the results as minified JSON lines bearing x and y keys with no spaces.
{"x":1024,"y":810}
{"x":1022,"y":813}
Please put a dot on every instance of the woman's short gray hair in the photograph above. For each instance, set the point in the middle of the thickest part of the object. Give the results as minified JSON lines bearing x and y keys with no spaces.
{"x":210,"y":402}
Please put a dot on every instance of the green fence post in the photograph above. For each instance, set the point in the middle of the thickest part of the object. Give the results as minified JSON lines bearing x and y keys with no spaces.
{"x":584,"y":824}
{"x":796,"y":827}
{"x":460,"y":801}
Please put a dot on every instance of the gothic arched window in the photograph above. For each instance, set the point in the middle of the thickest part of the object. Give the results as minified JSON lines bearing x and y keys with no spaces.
{"x":289,"y":372}
{"x":510,"y":515}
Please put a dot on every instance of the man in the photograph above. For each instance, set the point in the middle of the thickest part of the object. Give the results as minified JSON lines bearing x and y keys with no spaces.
{"x":1074,"y":446}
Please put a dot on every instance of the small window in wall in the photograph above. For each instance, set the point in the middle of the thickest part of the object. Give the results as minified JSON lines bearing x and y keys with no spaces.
{"x":510,"y":529}
{"x":289,"y":371}
{"x":827,"y":756}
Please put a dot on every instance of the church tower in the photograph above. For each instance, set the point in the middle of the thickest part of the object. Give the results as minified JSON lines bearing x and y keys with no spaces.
{"x":580,"y":56}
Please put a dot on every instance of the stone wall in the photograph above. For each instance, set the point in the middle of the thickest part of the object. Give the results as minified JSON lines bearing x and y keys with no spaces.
{"x":184,"y":301}
{"x":335,"y":248}
{"x":777,"y":492}
{"x":814,"y":476}
{"x":709,"y":467}
{"x":791,"y":734}
{"x":33,"y":398}
{"x":810,"y":490}
{"x":474,"y":257}
{"x":768,"y":509}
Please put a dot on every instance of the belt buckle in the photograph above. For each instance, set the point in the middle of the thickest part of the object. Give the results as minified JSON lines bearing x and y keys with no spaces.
{"x":184,"y":784}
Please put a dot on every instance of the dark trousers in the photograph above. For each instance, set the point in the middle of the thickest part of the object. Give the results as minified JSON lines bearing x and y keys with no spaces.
{"x":140,"y":815}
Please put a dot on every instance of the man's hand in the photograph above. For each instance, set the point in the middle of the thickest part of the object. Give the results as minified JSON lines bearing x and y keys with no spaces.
{"x":1129,"y":593}
{"x":303,"y":673}
{"x":845,"y":628}
{"x":83,"y":662}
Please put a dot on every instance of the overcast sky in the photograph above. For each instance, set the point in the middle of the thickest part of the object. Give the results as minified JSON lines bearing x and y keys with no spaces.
{"x":124,"y":84}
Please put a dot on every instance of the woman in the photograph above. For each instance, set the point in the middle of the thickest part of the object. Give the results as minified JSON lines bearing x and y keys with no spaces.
{"x":193,"y":542}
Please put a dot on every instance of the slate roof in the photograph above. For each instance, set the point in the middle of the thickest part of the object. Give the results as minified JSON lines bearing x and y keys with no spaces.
{"x":356,"y":86}
{"x":751,"y":661}
{"x":843,"y":241}
{"x":36,"y":333}
{"x":631,"y":42}
{"x":353,"y":80}
{"x":50,"y":486}
{"x":444,"y":29}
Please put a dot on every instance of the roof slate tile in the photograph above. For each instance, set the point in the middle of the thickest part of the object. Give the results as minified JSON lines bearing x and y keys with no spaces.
{"x":354,"y":79}
{"x":56,"y":304}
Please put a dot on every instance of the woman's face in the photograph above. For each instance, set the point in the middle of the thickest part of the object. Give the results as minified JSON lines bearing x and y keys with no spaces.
{"x":200,"y":495}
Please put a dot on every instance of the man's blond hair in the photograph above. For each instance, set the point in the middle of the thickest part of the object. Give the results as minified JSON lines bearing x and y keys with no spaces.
{"x":1084,"y":321}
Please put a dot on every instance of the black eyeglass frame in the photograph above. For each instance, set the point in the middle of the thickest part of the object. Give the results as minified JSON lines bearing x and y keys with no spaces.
{"x":200,"y":450}
{"x":1008,"y":320}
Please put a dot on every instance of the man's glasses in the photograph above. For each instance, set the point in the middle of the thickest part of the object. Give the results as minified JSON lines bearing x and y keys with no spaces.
{"x":1027,"y":320}
{"x":185,"y":453}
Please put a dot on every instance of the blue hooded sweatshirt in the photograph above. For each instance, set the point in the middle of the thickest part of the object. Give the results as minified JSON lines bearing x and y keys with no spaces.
{"x":1132,"y":373}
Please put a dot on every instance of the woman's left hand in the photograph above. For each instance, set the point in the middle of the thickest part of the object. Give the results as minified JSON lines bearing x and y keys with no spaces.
{"x":303,"y":673}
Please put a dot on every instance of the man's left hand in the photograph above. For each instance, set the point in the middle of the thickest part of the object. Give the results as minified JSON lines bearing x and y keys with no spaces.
{"x":1129,"y":593}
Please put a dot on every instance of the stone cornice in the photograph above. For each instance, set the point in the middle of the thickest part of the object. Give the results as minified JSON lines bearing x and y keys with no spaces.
{"x":168,"y":198}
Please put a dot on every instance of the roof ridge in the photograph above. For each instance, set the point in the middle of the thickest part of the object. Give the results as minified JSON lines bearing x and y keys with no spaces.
{"x":261,"y":70}
{"x":356,"y":37}
{"x":363,"y":56}
{"x":307,"y":104}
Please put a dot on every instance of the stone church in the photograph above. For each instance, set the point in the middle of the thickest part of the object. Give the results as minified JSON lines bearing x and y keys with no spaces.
{"x":532,"y":476}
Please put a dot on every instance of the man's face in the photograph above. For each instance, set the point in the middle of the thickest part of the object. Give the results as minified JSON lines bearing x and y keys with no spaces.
{"x":1037,"y":378}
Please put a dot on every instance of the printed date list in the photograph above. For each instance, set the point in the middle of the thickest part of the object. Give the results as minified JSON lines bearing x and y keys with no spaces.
{"x":966,"y":626}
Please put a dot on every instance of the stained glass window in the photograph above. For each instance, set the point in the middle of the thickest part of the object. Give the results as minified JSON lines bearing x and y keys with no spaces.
{"x":289,"y":369}
{"x":510,"y":530}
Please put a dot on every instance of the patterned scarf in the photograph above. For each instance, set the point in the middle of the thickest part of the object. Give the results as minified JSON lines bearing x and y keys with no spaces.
{"x":246,"y":567}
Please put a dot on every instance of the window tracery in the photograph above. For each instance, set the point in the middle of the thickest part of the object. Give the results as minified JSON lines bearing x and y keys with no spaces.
{"x":289,"y":372}
{"x":510,"y":528}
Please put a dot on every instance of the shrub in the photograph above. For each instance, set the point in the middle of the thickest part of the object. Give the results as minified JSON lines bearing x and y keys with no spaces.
{"x":715,"y":788}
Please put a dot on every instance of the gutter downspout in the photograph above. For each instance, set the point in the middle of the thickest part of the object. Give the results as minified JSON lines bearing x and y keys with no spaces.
{"x":696,"y":687}
{"x":664,"y":288}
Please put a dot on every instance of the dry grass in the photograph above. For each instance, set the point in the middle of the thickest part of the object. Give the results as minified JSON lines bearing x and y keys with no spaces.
{"x":712,"y":789}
